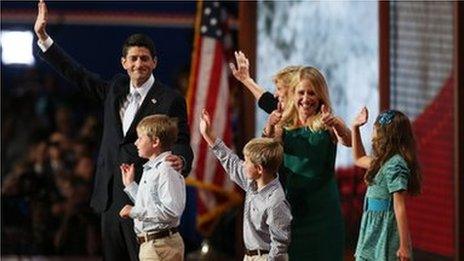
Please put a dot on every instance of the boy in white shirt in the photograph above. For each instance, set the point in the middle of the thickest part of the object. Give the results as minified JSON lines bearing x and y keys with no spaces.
{"x":159,"y":198}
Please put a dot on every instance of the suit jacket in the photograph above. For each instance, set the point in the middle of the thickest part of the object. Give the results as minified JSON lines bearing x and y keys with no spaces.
{"x":116,"y":148}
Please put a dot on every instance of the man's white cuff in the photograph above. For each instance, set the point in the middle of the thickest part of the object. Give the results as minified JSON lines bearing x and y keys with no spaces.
{"x":45,"y":44}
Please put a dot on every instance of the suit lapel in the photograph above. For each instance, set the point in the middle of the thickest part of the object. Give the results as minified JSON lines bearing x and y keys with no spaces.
{"x":148,"y":106}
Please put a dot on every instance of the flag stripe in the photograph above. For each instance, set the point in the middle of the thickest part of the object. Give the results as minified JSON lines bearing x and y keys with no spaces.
{"x":202,"y":90}
{"x":213,"y":109}
{"x":209,"y":88}
{"x":209,"y":95}
{"x":220,"y":126}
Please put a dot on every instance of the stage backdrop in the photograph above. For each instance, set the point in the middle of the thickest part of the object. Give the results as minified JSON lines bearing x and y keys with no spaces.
{"x":421,"y":61}
{"x":339,"y":38}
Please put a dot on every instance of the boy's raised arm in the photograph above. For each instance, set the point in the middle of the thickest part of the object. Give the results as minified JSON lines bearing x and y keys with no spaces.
{"x":205,"y":128}
{"x":229,"y":161}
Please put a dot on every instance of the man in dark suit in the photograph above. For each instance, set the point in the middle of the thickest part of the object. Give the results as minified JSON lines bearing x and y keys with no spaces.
{"x":126,"y":100}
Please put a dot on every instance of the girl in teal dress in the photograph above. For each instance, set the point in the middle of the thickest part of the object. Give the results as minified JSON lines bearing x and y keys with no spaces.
{"x":310,"y":133}
{"x":392,"y":171}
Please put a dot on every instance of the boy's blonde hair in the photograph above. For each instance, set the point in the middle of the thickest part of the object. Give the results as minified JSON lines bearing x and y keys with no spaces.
{"x":160,"y":126}
{"x":318,"y":83}
{"x":265,"y":152}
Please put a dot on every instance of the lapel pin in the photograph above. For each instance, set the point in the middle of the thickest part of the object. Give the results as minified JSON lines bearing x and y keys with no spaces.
{"x":153,"y":101}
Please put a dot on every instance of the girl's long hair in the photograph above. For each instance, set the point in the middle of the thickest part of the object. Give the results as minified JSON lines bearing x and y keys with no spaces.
{"x":395,"y":136}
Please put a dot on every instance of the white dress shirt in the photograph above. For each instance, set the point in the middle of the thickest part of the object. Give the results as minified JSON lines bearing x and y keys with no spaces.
{"x":143,"y":91}
{"x":159,"y":199}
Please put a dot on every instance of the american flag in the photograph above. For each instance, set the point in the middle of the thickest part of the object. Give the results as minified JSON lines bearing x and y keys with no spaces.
{"x":209,"y":88}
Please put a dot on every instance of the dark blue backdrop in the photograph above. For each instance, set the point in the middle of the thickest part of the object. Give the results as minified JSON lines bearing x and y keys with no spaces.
{"x":98,"y":47}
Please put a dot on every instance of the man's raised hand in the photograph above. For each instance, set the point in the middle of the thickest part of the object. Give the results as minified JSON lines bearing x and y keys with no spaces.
{"x":41,"y":21}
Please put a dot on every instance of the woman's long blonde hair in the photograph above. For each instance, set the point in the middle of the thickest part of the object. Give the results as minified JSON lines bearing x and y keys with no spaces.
{"x":288,"y":78}
{"x":290,"y":119}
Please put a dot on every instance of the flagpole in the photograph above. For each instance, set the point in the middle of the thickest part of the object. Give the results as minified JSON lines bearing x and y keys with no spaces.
{"x":196,"y":47}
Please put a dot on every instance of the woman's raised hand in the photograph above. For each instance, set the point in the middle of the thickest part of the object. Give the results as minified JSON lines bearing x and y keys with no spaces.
{"x":242,"y":71}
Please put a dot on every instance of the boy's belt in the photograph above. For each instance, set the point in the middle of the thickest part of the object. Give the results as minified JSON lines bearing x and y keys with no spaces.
{"x":255,"y":252}
{"x":157,"y":235}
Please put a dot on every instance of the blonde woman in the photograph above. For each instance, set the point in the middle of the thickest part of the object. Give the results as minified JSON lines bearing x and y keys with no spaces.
{"x":310,"y":133}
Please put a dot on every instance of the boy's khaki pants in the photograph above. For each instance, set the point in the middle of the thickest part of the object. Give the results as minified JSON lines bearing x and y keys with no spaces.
{"x":167,"y":248}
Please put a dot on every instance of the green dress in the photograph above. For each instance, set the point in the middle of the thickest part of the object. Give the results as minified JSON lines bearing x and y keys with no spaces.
{"x":378,"y":236}
{"x":317,"y":225}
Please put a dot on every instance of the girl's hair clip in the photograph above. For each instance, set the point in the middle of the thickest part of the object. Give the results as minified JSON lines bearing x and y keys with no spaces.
{"x":386,"y":117}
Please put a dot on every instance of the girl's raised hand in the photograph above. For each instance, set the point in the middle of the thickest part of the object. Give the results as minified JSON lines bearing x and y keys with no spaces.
{"x":361,"y":118}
